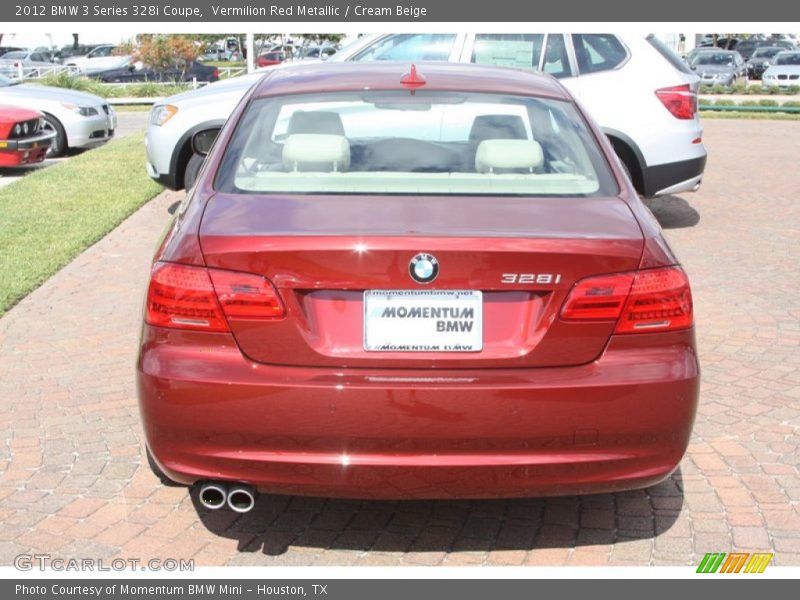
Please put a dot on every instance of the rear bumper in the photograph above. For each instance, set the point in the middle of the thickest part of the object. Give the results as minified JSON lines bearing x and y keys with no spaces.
{"x":674,"y":178}
{"x":620,"y":422}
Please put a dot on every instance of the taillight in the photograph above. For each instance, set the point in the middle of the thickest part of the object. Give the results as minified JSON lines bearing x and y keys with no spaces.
{"x":660,"y":300}
{"x":640,"y":302}
{"x":216,"y":74}
{"x":680,"y":100}
{"x":187,"y":297}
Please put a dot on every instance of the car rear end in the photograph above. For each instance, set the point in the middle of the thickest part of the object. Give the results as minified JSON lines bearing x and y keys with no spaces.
{"x":356,"y":303}
{"x":651,"y":115}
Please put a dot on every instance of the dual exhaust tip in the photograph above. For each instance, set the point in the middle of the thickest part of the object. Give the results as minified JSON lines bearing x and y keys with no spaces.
{"x":238,"y":497}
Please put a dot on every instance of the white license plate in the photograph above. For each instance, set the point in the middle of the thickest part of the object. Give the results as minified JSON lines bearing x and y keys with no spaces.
{"x":423,"y":321}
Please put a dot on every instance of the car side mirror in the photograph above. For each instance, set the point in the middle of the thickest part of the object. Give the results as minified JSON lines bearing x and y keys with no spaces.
{"x":203,"y":140}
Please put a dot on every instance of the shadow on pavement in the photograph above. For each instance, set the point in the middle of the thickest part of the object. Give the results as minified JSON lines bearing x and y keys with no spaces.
{"x":278,"y":523}
{"x":672,"y":212}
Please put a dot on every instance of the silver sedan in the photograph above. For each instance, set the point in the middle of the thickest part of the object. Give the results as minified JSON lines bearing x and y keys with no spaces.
{"x":79,"y":120}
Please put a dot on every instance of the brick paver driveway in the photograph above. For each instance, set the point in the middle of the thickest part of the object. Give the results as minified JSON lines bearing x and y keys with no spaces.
{"x":73,"y":482}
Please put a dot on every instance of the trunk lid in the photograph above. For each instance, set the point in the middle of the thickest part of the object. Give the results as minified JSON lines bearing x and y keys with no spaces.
{"x":323,"y":252}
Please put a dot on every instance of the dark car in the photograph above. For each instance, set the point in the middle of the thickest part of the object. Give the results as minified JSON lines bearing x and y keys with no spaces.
{"x":131,"y":74}
{"x":392,"y":281}
{"x":720,"y":67}
{"x":761,"y":60}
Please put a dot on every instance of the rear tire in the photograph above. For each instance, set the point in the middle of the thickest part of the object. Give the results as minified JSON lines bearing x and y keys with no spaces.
{"x":59,"y":144}
{"x":192,"y":170}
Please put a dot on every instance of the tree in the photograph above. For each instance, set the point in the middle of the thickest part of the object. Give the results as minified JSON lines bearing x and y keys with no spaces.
{"x":75,"y":41}
{"x":163,"y":52}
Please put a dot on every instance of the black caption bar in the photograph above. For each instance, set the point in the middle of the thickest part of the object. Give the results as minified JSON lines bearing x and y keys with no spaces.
{"x":372,"y":589}
{"x":441,"y":11}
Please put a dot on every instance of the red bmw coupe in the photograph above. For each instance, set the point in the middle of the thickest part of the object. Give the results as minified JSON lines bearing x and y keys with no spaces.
{"x":22,"y":140}
{"x":414,"y":282}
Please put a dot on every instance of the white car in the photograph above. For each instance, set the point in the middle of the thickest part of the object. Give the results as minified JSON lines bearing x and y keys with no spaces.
{"x":79,"y":120}
{"x":784,"y":71}
{"x":641,"y":93}
{"x":99,"y":59}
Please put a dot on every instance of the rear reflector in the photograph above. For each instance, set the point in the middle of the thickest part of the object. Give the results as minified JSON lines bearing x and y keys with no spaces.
{"x":640,"y":302}
{"x":184,"y":297}
{"x":680,"y":100}
{"x":598,"y":298}
{"x":246,"y":296}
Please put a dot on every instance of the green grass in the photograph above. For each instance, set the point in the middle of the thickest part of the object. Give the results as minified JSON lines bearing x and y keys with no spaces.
{"x":50,"y":216}
{"x":128,"y":90}
{"x":713,"y":114}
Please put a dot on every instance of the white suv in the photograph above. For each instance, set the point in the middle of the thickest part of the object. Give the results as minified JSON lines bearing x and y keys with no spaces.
{"x":642,"y":94}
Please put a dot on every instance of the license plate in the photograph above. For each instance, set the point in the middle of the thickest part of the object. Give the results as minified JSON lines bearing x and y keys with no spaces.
{"x":423,"y":321}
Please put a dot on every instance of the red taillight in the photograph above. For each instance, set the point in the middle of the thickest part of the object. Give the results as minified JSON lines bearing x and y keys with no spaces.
{"x":680,"y":100}
{"x":184,"y":297}
{"x":660,"y":300}
{"x":216,"y":74}
{"x":640,"y":302}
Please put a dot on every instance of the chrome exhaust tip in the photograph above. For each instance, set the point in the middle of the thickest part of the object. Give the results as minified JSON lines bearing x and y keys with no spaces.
{"x":241,"y":498}
{"x":213,"y":495}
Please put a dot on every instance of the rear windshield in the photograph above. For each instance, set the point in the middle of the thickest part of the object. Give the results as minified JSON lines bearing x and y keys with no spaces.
{"x":414,"y":143}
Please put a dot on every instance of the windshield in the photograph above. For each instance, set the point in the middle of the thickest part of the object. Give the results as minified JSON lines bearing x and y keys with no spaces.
{"x":421,"y":143}
{"x":714,"y":58}
{"x":792,"y":58}
{"x":766,"y":52}
{"x":15,"y":55}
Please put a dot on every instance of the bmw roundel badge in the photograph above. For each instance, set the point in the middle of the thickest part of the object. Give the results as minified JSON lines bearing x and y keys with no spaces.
{"x":423,"y":268}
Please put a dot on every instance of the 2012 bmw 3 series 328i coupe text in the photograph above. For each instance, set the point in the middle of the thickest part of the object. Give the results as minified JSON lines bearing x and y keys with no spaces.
{"x":399,"y":281}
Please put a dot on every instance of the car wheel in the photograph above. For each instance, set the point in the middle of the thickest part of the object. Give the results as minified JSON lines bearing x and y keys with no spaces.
{"x":59,"y":144}
{"x":162,"y":477}
{"x":192,"y":170}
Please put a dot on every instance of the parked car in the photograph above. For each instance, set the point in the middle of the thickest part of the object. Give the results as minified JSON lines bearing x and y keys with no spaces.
{"x":346,"y":304}
{"x":78,"y":119}
{"x":723,"y":67}
{"x":74,"y":51}
{"x":642,"y":94}
{"x":137,"y":72}
{"x":99,"y":59}
{"x":784,"y":71}
{"x":747,"y":47}
{"x":24,"y":62}
{"x":271,"y":58}
{"x":23,"y":137}
{"x":762,"y":58}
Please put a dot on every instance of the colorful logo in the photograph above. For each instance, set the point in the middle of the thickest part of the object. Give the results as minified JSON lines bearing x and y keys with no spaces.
{"x":735,"y":562}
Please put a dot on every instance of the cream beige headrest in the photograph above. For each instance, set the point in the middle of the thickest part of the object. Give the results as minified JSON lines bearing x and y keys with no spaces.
{"x":508,"y":154}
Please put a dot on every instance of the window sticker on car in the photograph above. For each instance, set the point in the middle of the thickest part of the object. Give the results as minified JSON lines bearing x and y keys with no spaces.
{"x":504,"y":53}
